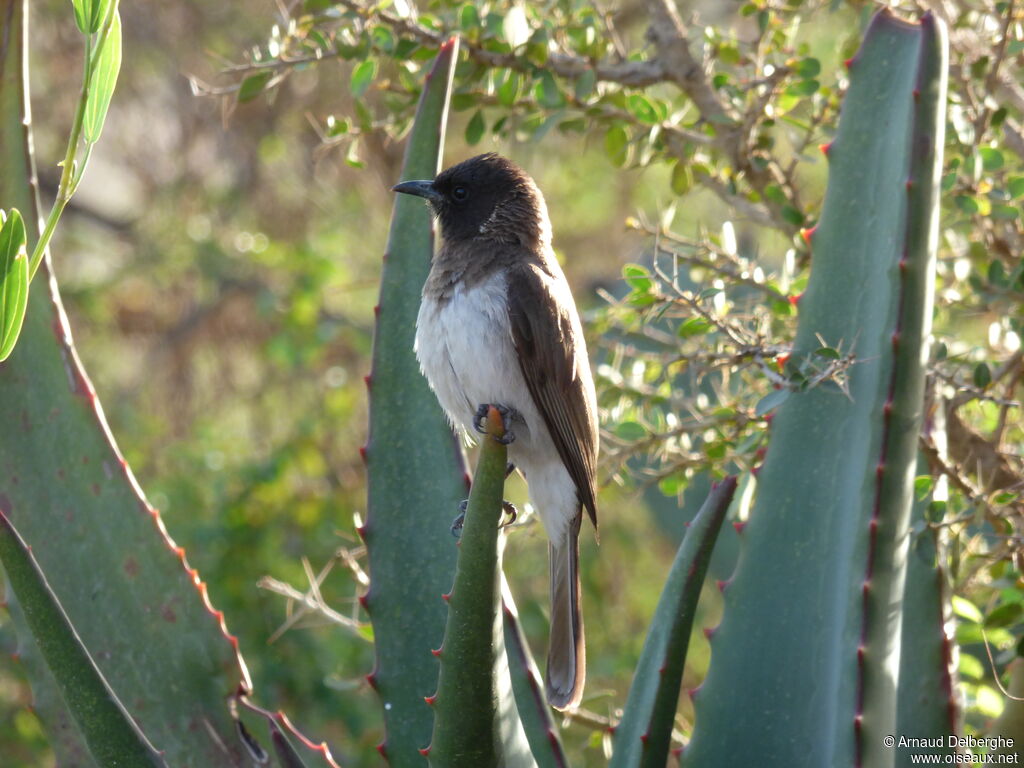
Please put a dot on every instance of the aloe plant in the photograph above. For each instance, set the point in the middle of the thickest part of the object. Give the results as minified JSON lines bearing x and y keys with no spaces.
{"x":820,"y":578}
{"x":806,"y":666}
{"x":415,"y":471}
{"x":141,"y":613}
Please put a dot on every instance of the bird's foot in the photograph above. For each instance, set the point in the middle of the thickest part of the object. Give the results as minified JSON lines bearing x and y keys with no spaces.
{"x":506,"y":506}
{"x":507,"y":416}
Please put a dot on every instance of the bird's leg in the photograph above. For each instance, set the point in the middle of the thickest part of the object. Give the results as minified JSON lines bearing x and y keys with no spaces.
{"x":506,"y":506}
{"x":508,"y":415}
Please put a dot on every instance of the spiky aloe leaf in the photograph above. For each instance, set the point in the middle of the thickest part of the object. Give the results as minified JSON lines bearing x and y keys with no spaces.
{"x":811,"y":625}
{"x":416,"y":475}
{"x":533,"y":707}
{"x":927,"y":704}
{"x":112,"y":736}
{"x":644,"y":736}
{"x":137,"y":607}
{"x":475,"y":718}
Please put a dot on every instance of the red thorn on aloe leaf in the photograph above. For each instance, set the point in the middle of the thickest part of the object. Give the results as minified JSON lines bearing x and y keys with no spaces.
{"x":376,"y":310}
{"x":850,"y":62}
{"x":364,"y":602}
{"x":794,"y":300}
{"x":807,"y":233}
{"x":910,"y":184}
{"x":383,"y":749}
{"x":722,"y":584}
{"x":739,"y":525}
{"x":917,"y":95}
{"x":896,"y":340}
{"x":644,"y":738}
{"x":446,"y":596}
{"x":430,"y":700}
{"x":361,"y":530}
{"x":362,"y":453}
{"x":692,"y":692}
{"x":861,"y":652}
{"x":372,"y":680}
{"x":887,"y":409}
{"x":709,"y":632}
{"x":425,"y":751}
{"x":825,"y":148}
{"x":866,"y":587}
{"x":436,"y":652}
{"x":367,"y":379}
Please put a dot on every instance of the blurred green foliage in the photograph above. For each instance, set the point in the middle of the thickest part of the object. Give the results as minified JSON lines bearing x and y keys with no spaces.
{"x":220,"y":266}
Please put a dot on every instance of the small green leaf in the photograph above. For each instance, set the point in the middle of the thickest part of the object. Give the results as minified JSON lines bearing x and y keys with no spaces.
{"x":548,"y":93}
{"x":967,"y":610}
{"x":631,"y":431}
{"x":362,"y":76}
{"x":808,"y":68}
{"x":792,"y":215}
{"x":515,"y":28}
{"x":638,"y":277}
{"x":508,"y":88}
{"x":469,"y":18}
{"x":1006,"y":615}
{"x":771,"y":401}
{"x":83,"y":14}
{"x":682,"y":179}
{"x":642,"y":108}
{"x":105,"y":67}
{"x":1016,"y":187}
{"x":991,"y":158}
{"x":616,"y":145}
{"x":253,"y":86}
{"x":13,"y":281}
{"x":89,"y":14}
{"x":827,"y":352}
{"x":585,"y":84}
{"x":982,"y":375}
{"x":693,"y":326}
{"x":475,"y":128}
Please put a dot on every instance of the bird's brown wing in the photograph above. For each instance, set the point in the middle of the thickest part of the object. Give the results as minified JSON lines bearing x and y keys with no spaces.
{"x":554,"y":363}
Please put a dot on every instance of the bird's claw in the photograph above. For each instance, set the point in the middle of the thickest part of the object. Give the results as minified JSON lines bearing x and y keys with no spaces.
{"x":506,"y":506}
{"x":507,"y":415}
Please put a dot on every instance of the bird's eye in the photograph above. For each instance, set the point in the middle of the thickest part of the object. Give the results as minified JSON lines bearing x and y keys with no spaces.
{"x":460,"y":193}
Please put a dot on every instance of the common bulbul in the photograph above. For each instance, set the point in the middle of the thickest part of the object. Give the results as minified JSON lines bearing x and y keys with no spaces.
{"x":498,"y":325}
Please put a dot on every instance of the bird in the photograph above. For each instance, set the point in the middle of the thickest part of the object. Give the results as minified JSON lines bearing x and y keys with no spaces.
{"x":497,"y":324}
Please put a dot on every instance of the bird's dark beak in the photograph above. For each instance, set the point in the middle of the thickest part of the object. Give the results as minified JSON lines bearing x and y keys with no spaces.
{"x":419,"y":188}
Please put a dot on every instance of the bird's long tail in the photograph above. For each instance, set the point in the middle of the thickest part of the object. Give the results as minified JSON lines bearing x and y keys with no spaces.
{"x":567,"y":658}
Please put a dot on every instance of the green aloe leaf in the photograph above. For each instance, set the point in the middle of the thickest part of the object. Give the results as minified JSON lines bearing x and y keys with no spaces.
{"x":818,"y":587}
{"x":142,"y":613}
{"x":13,"y":281}
{"x":415,"y":472}
{"x":528,"y":687}
{"x":476,"y":722}
{"x":644,"y":736}
{"x":105,"y":68}
{"x":112,"y":736}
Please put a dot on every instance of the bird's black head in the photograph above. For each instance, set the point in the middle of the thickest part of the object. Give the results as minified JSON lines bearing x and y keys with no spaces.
{"x":486,"y":197}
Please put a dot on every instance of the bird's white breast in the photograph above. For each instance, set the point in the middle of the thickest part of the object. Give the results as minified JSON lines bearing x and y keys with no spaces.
{"x":464,"y":347}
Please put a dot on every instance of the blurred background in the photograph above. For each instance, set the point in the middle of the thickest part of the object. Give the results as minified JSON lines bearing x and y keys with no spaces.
{"x":219,"y":265}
